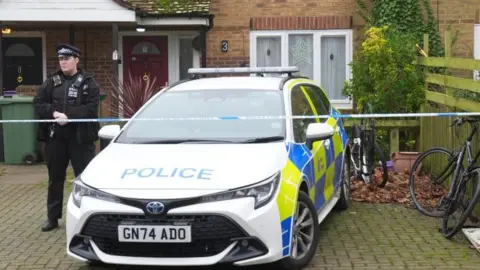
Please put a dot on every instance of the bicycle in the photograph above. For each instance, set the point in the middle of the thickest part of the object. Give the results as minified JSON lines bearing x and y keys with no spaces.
{"x":461,"y":176}
{"x":363,"y":151}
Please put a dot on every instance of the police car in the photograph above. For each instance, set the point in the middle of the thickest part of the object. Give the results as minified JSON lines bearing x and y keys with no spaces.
{"x":215,"y":170}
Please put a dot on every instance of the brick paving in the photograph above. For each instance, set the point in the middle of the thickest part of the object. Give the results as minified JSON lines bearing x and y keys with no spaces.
{"x":366,"y":236}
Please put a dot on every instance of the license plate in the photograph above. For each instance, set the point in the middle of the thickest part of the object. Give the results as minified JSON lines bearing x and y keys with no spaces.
{"x":156,"y":234}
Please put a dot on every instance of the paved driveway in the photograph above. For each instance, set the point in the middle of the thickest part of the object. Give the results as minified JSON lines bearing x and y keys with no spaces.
{"x":364,"y":237}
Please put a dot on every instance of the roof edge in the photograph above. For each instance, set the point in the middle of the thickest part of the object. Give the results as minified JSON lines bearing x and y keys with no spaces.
{"x":129,"y":6}
{"x":125,"y":4}
{"x":144,"y":14}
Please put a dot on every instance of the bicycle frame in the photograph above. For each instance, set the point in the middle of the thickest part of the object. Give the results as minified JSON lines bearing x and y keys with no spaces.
{"x":457,"y":177}
{"x":356,"y":146}
{"x":363,"y":167}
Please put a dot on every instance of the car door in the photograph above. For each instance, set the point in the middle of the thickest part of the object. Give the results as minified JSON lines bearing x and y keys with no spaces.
{"x":334,"y":145}
{"x":311,"y":162}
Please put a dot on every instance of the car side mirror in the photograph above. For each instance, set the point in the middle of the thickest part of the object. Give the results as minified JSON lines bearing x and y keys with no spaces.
{"x":318,"y":132}
{"x":109,"y":132}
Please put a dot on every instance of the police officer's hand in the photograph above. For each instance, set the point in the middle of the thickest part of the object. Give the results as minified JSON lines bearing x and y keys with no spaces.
{"x":60,"y":117}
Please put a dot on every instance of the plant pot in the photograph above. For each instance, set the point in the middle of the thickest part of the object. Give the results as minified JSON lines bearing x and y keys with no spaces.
{"x":403,"y":161}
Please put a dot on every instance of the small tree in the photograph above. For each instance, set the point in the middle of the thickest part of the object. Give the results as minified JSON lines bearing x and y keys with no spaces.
{"x":131,"y":95}
{"x":384,"y":73}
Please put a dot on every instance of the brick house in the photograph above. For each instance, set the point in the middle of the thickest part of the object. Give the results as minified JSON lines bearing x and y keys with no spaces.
{"x":319,"y":37}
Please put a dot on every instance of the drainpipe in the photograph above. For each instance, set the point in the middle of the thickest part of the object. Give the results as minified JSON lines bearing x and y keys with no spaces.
{"x":71,"y":32}
{"x":203,"y":38}
{"x":1,"y":62}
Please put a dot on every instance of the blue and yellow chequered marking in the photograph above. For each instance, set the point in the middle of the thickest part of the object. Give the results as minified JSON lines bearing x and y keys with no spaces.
{"x":321,"y":168}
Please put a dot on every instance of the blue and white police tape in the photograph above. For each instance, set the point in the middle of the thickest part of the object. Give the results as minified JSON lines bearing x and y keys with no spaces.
{"x":374,"y":115}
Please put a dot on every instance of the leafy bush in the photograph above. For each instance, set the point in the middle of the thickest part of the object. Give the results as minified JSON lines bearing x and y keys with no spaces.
{"x":384,"y":73}
{"x":406,"y":16}
{"x":131,"y":95}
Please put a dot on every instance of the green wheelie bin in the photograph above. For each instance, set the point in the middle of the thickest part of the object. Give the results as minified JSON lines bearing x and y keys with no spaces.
{"x":19,"y":139}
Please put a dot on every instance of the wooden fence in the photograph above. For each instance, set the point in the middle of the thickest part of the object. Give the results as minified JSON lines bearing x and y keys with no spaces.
{"x":436,"y":131}
{"x":393,"y":127}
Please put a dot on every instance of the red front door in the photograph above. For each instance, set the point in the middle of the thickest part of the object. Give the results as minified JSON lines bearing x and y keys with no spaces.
{"x":146,"y":57}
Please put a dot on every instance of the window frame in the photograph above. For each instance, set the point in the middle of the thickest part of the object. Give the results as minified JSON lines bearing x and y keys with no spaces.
{"x":195,"y":54}
{"x":317,"y":41}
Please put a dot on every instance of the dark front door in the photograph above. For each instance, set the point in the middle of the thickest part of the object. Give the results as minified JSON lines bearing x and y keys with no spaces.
{"x":22,"y":62}
{"x":146,"y":57}
{"x":22,"y":65}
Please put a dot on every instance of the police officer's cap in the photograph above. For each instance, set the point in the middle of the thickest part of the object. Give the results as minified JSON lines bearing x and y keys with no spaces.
{"x":67,"y":50}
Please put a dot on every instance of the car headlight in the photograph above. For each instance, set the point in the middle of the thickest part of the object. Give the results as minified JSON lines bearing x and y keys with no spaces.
{"x":81,"y":190}
{"x":262,"y":192}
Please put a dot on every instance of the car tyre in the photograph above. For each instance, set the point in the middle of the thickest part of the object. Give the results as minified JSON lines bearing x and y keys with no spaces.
{"x":344,"y":200}
{"x":303,"y":203}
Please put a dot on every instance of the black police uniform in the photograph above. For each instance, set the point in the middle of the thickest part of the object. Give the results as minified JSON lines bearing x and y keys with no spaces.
{"x":76,"y":96}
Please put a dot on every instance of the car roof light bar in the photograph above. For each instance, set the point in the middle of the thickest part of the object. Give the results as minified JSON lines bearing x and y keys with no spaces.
{"x":243,"y":70}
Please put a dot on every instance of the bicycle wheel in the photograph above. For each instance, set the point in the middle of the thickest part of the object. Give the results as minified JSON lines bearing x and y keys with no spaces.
{"x":380,"y":177}
{"x":424,"y":176}
{"x":461,"y":202}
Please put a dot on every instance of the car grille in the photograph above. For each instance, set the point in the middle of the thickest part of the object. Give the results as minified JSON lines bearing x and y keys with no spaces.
{"x":211,"y":234}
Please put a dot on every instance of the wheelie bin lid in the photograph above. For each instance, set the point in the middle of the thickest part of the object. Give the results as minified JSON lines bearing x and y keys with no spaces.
{"x":15,"y":99}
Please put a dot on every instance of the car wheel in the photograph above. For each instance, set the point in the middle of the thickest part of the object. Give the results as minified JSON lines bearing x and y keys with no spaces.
{"x":344,"y":200}
{"x":305,"y":235}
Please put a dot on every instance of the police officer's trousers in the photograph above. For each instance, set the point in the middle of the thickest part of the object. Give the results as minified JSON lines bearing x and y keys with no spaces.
{"x":59,"y":151}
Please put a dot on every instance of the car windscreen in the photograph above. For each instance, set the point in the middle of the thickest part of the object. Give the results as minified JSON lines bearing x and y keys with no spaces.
{"x":177,"y":108}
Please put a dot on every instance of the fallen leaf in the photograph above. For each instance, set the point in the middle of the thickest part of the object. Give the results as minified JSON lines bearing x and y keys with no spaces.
{"x":397,"y":190}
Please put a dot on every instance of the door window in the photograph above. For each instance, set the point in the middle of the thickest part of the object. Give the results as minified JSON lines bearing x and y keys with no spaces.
{"x":145,"y":47}
{"x":319,"y":100}
{"x":20,"y":50}
{"x":300,"y":107}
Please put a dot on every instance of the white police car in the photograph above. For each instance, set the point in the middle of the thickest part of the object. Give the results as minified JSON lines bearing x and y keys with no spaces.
{"x":221,"y":185}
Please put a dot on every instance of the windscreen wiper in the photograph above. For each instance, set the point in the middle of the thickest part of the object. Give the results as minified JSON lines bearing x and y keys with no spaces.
{"x":264,"y":139}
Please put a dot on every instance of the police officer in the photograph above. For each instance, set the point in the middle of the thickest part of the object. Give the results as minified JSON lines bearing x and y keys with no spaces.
{"x":69,"y":93}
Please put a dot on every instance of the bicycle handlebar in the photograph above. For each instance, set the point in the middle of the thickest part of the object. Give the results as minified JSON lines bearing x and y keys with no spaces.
{"x":462,"y":120}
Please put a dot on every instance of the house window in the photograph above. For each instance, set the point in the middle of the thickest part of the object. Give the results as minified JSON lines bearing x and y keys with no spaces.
{"x":186,"y":57}
{"x":321,"y":55}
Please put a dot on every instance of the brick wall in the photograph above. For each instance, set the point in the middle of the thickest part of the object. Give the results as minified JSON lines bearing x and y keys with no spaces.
{"x":232,"y":23}
{"x":234,"y":20}
{"x":461,"y":16}
{"x":95,"y":44}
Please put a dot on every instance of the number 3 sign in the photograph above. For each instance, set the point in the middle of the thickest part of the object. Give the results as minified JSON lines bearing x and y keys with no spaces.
{"x":224,"y":47}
